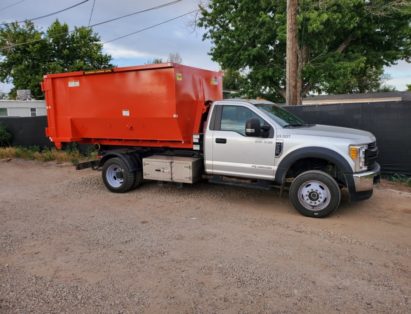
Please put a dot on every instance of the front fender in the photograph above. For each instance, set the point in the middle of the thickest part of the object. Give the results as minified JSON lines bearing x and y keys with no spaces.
{"x":310,"y":152}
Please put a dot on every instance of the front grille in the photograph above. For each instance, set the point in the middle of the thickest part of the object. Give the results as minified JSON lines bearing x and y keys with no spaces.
{"x":371,"y":155}
{"x":372,"y":145}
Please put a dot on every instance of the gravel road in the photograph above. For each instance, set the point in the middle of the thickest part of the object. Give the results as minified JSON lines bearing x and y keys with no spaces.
{"x":68,"y":245}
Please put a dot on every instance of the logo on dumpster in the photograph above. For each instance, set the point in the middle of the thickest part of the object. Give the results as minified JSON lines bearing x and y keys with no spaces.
{"x":73,"y":83}
{"x":179,"y":76}
{"x":214,"y":80}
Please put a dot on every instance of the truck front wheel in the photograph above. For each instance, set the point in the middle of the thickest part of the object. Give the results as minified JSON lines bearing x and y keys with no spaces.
{"x":117,"y":177}
{"x":315,"y":194}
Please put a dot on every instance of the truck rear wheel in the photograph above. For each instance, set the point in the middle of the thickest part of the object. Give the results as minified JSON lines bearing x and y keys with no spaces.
{"x":315,"y":194}
{"x":117,"y":177}
{"x":138,"y":179}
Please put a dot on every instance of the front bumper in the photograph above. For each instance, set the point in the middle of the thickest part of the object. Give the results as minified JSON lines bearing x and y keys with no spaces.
{"x":365,"y":181}
{"x":360,"y":185}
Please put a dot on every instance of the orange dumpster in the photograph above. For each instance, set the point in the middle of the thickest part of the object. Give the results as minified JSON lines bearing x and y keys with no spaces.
{"x":156,"y":105}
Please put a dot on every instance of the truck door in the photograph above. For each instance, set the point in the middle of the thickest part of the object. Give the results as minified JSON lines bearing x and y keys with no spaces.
{"x":234,"y":153}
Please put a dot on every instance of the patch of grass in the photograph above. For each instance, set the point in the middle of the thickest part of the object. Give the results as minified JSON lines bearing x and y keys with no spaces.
{"x":400,"y":178}
{"x":35,"y":153}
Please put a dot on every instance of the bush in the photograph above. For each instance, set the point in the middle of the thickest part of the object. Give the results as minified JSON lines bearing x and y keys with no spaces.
{"x":47,"y":154}
{"x":400,"y":178}
{"x":5,"y":136}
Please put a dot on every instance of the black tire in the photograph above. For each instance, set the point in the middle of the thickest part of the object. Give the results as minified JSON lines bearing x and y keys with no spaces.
{"x":117,"y":176}
{"x":315,"y":194}
{"x":138,"y":179}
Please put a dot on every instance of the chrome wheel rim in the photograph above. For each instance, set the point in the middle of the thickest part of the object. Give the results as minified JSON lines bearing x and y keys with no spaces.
{"x":314,"y":195}
{"x":114,"y":176}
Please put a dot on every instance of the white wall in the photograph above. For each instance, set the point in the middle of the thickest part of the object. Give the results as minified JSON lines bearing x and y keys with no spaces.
{"x":18,"y":108}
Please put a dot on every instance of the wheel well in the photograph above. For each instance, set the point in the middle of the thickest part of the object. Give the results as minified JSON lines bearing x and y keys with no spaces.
{"x":312,"y":163}
{"x":132,"y":160}
{"x":105,"y":158}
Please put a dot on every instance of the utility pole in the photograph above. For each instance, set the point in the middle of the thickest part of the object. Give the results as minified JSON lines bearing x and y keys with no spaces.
{"x":292,"y":97}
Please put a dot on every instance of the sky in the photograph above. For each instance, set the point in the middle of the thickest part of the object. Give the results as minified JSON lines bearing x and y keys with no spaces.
{"x":177,"y":36}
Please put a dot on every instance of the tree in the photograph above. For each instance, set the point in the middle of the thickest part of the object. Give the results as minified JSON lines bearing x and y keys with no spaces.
{"x":343,"y":44}
{"x":21,"y":64}
{"x":232,"y":80}
{"x":409,"y":87}
{"x":232,"y":84}
{"x":27,"y":53}
{"x":155,"y":61}
{"x":174,"y":57}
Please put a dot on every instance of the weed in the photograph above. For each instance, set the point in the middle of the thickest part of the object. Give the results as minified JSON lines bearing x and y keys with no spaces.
{"x":400,"y":178}
{"x":47,"y":154}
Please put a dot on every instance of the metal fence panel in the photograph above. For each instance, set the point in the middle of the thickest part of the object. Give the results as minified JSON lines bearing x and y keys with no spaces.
{"x":27,"y":131}
{"x":390,"y":122}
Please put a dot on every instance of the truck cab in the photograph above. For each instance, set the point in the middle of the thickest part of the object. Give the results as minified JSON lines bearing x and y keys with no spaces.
{"x":259,"y":140}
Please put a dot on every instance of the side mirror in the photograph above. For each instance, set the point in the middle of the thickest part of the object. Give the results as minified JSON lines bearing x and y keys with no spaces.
{"x":265,"y":130}
{"x":253,"y":127}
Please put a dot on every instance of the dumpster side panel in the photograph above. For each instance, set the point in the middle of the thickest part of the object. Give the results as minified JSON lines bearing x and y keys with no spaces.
{"x":137,"y":106}
{"x":193,"y":88}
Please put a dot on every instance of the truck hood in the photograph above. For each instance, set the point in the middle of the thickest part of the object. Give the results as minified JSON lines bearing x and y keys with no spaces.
{"x":355,"y":136}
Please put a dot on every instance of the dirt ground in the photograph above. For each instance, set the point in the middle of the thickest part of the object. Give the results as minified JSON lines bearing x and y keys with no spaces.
{"x":68,"y":245}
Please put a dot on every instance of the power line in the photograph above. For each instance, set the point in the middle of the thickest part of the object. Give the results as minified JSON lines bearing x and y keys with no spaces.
{"x":49,"y":14}
{"x":11,"y":5}
{"x":110,"y":20}
{"x":91,"y":13}
{"x":136,"y":12}
{"x":149,"y":27}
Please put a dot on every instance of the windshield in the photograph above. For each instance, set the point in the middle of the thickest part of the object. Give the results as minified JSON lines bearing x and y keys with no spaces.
{"x":281,"y":116}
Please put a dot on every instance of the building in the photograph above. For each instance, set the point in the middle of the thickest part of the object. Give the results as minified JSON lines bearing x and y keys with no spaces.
{"x":357,"y":98}
{"x":20,"y":108}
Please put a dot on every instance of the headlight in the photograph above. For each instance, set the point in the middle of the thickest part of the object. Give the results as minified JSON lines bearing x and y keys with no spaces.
{"x":357,"y":154}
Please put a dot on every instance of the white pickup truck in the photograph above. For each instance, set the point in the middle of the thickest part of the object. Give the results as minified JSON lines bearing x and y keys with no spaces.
{"x":256,"y":143}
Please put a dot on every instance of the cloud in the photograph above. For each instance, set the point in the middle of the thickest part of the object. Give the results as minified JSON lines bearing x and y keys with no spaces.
{"x":400,"y":83}
{"x":5,"y":87}
{"x":178,"y":34}
{"x":121,"y":52}
{"x":399,"y":75}
{"x":402,"y":68}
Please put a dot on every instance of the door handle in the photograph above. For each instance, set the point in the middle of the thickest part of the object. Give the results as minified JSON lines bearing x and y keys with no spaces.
{"x":221,"y":140}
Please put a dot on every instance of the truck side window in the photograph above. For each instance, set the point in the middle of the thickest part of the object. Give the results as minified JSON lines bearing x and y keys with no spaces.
{"x":233,"y":118}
